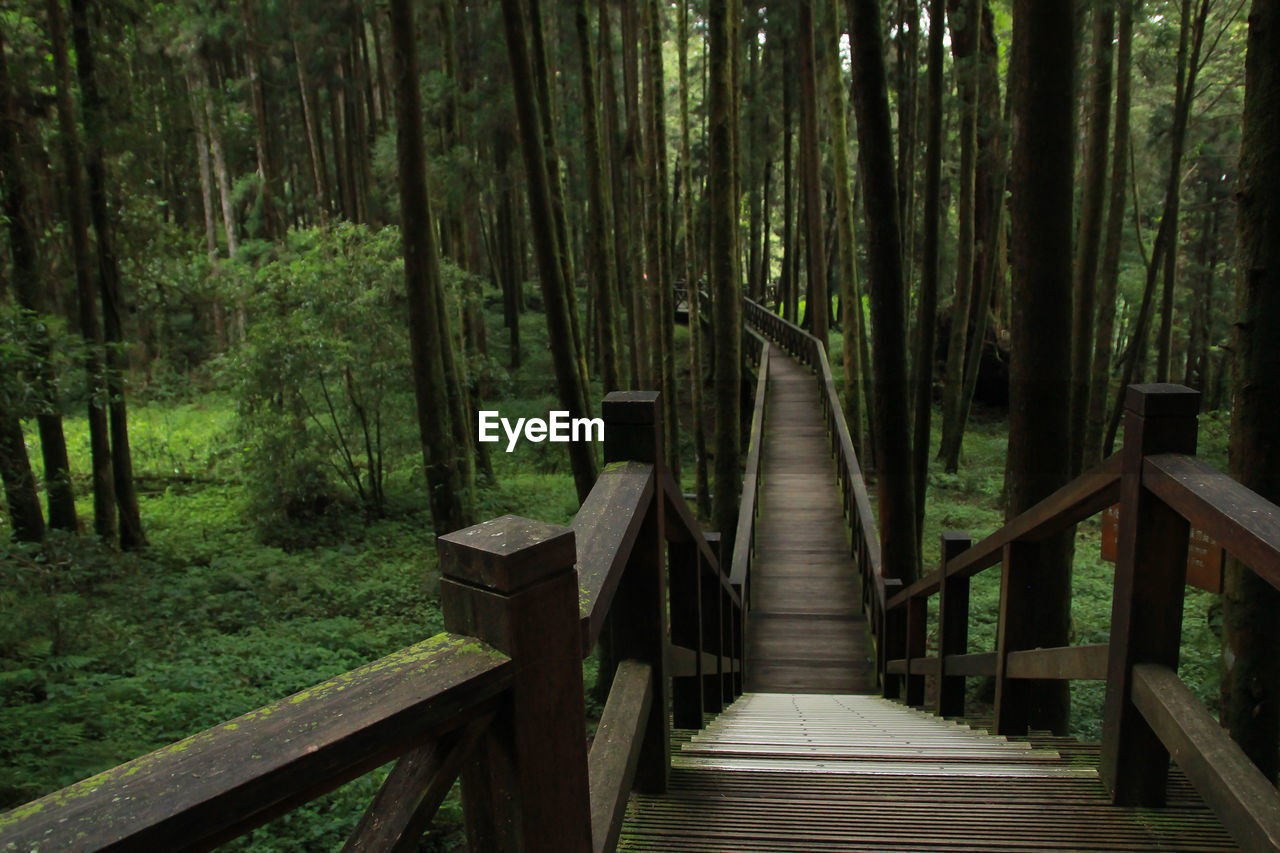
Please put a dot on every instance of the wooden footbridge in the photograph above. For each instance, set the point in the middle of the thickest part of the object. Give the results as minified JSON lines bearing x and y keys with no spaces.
{"x":779,"y":694}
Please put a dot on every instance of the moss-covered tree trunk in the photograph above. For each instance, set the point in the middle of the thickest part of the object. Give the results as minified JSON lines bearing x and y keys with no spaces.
{"x":95,"y":123}
{"x":1251,"y":631}
{"x":896,"y":496}
{"x":1042,"y":91}
{"x":443,"y":448}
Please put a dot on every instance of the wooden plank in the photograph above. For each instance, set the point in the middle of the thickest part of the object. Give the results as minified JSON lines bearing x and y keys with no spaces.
{"x":403,"y":808}
{"x":972,"y":664}
{"x":1086,"y":663}
{"x":751,"y":478}
{"x":1084,"y":496}
{"x":1243,"y":799}
{"x":953,"y":626}
{"x":1241,"y":520}
{"x":606,"y":527}
{"x":615,"y":752}
{"x":233,"y":777}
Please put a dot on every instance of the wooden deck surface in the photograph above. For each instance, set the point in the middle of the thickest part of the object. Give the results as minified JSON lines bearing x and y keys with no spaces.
{"x":806,"y":632}
{"x":807,"y":772}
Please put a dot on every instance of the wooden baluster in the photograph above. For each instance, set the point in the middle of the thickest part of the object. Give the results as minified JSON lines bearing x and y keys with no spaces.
{"x":893,"y":645}
{"x":916,"y":628}
{"x":511,"y":582}
{"x":1014,"y":710}
{"x":687,"y":586}
{"x":953,"y":626}
{"x":1146,"y":607}
{"x":712,"y":635}
{"x":633,"y":432}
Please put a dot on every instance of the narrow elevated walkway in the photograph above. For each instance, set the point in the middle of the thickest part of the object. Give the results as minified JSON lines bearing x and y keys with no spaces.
{"x":809,"y":772}
{"x":806,"y":632}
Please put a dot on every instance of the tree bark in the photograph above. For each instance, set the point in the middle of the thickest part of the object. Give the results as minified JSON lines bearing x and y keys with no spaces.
{"x":927,"y":307}
{"x":26,"y":274}
{"x":1100,"y":370}
{"x":131,"y":534}
{"x":273,"y":225}
{"x":569,"y":378}
{"x":442,"y":448}
{"x":888,"y":314}
{"x":1251,"y":632}
{"x":1042,"y":91}
{"x":819,"y":302}
{"x":725,"y":284}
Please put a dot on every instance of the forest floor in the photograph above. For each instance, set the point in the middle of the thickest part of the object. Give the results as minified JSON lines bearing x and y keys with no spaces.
{"x":104,"y":657}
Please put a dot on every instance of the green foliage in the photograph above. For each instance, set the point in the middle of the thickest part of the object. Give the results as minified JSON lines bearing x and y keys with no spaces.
{"x":323,"y":377}
{"x":32,"y":344}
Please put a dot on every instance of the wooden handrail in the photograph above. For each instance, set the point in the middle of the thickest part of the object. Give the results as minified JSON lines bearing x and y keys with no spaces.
{"x":745,"y":534}
{"x":1236,"y":517}
{"x":615,"y":752}
{"x":1238,"y":793}
{"x":227,"y":780}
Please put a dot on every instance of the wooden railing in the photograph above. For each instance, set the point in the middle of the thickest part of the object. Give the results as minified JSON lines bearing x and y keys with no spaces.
{"x":863,"y":538}
{"x":1150,"y":714}
{"x":496,"y":701}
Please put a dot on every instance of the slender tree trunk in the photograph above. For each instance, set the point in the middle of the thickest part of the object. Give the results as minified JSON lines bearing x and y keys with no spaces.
{"x":308,"y":117}
{"x":53,"y":444}
{"x":450,"y":493}
{"x":104,"y":494}
{"x":965,"y":36}
{"x":19,"y":483}
{"x":850,"y":292}
{"x":908,"y":72}
{"x":1251,"y":632}
{"x":1042,"y":92}
{"x":788,"y":298}
{"x":1089,"y":237}
{"x":131,"y":535}
{"x":725,"y":284}
{"x":569,"y":376}
{"x":819,"y":301}
{"x":1186,"y":87}
{"x":888,"y":317}
{"x":619,"y":168}
{"x":1100,"y":370}
{"x":927,"y":307}
{"x":272,"y":223}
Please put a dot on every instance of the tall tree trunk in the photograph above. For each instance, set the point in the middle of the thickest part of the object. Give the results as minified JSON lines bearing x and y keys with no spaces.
{"x":442,"y":447}
{"x":131,"y":535}
{"x":701,"y":487}
{"x":819,"y":302}
{"x":1042,"y":92}
{"x":632,"y":155}
{"x":618,"y":162}
{"x":1094,"y":179}
{"x":273,"y":224}
{"x":53,"y":444}
{"x":888,"y":315}
{"x":19,"y":483}
{"x":927,"y":307}
{"x":505,"y":237}
{"x":1251,"y":632}
{"x":569,"y":377}
{"x":1100,"y":370}
{"x":1185,"y":91}
{"x":104,"y":492}
{"x":965,"y":36}
{"x":726,"y":286}
{"x":788,"y":298}
{"x":907,"y":73}
{"x":308,"y":117}
{"x":850,"y":292}
{"x":600,"y":229}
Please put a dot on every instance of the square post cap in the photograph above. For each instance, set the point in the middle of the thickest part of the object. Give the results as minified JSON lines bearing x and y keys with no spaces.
{"x":507,"y":554}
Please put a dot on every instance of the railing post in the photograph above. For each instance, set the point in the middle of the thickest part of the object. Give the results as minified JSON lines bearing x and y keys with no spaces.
{"x":1146,"y":607}
{"x":1013,"y":711}
{"x":953,"y":625}
{"x":687,"y":586}
{"x":893,"y":645}
{"x":633,"y":432}
{"x":916,"y":630}
{"x":712,"y":633}
{"x":511,"y":582}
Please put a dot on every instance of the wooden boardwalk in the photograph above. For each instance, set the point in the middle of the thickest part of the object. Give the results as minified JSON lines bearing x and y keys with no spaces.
{"x":806,"y":772}
{"x":806,"y":632}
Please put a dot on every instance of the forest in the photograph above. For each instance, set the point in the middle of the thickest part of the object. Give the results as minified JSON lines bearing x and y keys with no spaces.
{"x":264,"y":262}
